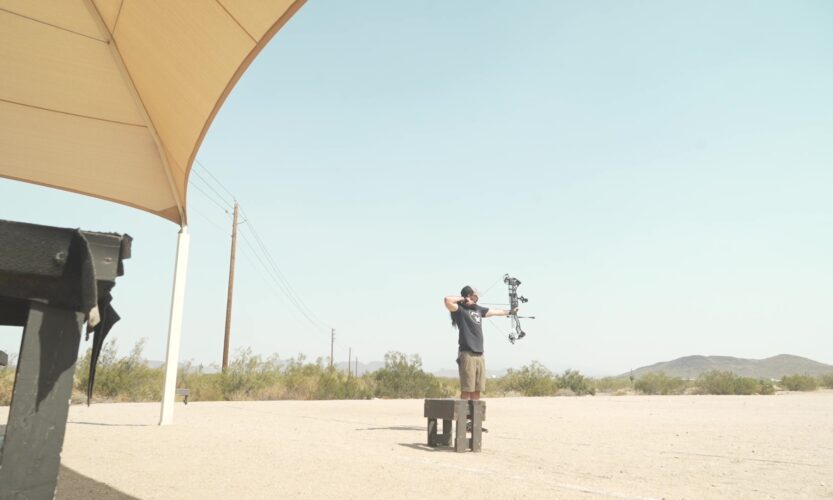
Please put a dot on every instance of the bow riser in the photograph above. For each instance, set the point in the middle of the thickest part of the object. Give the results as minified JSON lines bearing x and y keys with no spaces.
{"x":515,"y":300}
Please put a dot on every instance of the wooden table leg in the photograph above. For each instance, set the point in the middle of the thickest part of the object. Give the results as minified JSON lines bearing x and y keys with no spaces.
{"x":476,"y":423}
{"x":461,"y":441}
{"x":446,"y":439}
{"x":432,"y":432}
{"x":31,"y":453}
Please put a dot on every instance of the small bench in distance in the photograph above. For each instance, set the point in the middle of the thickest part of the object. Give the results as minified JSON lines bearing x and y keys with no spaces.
{"x":184,"y":393}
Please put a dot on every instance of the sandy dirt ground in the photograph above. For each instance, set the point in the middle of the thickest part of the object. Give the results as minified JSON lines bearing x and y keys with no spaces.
{"x":777,"y":446}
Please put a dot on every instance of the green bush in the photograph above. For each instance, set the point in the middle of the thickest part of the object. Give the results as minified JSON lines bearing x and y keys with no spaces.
{"x":725,"y":382}
{"x":575,"y":382}
{"x":659,"y":383}
{"x":826,"y":380}
{"x":248,"y":377}
{"x":799,"y":383}
{"x":402,"y":377}
{"x":6,"y":384}
{"x":766,"y":387}
{"x":121,"y":379}
{"x":612,"y":384}
{"x":531,"y":380}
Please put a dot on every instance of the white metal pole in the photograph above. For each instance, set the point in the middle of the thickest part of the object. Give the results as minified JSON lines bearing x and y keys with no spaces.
{"x":175,"y":328}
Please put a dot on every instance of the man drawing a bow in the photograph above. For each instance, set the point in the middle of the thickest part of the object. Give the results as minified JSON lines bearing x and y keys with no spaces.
{"x":467,"y":317}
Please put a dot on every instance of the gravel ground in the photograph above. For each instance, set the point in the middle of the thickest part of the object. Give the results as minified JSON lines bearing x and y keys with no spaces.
{"x":777,"y":446}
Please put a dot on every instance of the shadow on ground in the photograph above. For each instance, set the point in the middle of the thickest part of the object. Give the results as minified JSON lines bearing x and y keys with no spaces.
{"x":70,"y":422}
{"x":394,"y":428}
{"x":75,"y":486}
{"x":425,"y":447}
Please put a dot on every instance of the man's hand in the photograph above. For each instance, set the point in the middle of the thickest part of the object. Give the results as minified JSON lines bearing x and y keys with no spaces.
{"x":452,"y":302}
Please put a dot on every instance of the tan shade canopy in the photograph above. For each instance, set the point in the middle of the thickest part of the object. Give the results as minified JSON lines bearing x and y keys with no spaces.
{"x":112,"y":98}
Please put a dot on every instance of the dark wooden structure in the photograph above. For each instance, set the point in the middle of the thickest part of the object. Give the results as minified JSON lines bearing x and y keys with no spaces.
{"x":52,"y":281}
{"x":458,"y":412}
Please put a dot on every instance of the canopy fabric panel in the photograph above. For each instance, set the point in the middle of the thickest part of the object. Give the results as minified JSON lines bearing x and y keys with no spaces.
{"x":112,"y":98}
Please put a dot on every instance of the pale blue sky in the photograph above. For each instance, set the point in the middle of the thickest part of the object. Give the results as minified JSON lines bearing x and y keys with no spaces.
{"x":658,"y":174}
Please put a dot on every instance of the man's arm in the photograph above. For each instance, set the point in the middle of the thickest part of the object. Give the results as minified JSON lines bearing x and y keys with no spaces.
{"x":498,"y":312}
{"x":451,"y":302}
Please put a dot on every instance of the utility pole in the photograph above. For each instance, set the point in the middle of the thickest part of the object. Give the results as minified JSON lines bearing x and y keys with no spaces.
{"x":349,"y":360}
{"x":357,"y":367}
{"x":230,"y":284}
{"x":332,"y":341}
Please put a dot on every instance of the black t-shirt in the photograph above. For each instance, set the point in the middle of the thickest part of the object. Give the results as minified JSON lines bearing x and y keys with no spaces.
{"x":469,"y":322}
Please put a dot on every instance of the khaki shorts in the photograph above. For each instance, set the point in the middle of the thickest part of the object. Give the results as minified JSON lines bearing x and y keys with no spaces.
{"x":472,"y":371}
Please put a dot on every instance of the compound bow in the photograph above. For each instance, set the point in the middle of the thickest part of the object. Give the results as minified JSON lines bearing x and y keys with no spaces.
{"x":517,"y":332}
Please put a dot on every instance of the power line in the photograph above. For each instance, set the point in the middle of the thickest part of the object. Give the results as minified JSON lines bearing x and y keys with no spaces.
{"x":208,"y":184}
{"x":281,"y":286}
{"x":249,"y":258}
{"x":278,"y":272}
{"x":208,"y":219}
{"x":270,"y":265}
{"x":197,"y":187}
{"x":215,"y":179}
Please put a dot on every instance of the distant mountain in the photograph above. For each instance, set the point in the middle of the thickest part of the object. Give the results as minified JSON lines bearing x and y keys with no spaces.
{"x":691,"y":367}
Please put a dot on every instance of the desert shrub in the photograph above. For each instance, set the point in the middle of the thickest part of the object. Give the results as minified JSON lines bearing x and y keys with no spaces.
{"x":531,"y":380}
{"x":121,"y":379}
{"x":6,"y":385}
{"x":203,"y":386}
{"x":612,"y":384}
{"x":725,"y":382}
{"x":766,"y":387}
{"x":402,"y":377}
{"x":659,"y":383}
{"x":826,"y":380}
{"x":248,"y":376}
{"x":333,"y":384}
{"x":575,"y":382}
{"x":799,"y":383}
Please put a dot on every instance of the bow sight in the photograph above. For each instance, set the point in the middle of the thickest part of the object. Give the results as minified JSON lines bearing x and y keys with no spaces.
{"x":514,"y":300}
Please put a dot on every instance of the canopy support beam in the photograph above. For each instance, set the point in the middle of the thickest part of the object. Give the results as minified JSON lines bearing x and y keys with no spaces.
{"x":175,"y":328}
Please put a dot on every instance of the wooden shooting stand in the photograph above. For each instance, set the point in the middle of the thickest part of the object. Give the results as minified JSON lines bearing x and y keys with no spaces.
{"x":458,"y":411}
{"x":52,"y":281}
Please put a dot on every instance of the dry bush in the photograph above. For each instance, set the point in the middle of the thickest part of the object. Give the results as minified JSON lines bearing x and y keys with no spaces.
{"x":613,"y":385}
{"x":799,"y":383}
{"x":120,"y":379}
{"x":6,"y":384}
{"x":660,"y":383}
{"x":725,"y":382}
